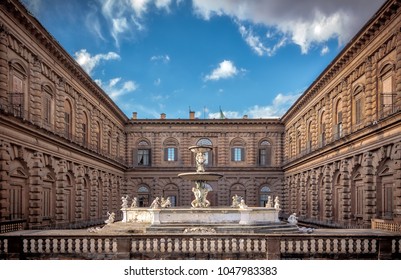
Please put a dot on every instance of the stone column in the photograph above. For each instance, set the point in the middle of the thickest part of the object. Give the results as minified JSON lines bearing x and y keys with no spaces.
{"x":369,"y":194}
{"x":79,"y":200}
{"x":329,"y":118}
{"x":36,"y":191}
{"x":347,"y":107}
{"x":396,"y":156}
{"x":35,"y":94}
{"x":315,"y":202}
{"x":346,"y":191}
{"x":3,"y":64}
{"x":61,"y":182}
{"x":327,"y":197}
{"x":369,"y":92}
{"x":398,"y":70}
{"x":94,"y":185}
{"x":5,"y":160}
{"x":60,"y":98}
{"x":302,"y":186}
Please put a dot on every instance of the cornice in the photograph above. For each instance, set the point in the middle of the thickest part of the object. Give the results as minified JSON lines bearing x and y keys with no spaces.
{"x":366,"y":35}
{"x":18,"y":11}
{"x":188,"y":122}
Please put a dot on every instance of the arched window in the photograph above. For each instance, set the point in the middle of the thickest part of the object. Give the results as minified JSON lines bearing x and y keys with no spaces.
{"x":237,"y":150}
{"x":357,"y":105}
{"x":48,"y":195}
{"x":338,"y":117}
{"x":85,"y":128}
{"x":143,"y":196}
{"x":208,"y":155}
{"x":309,"y":137}
{"x":47,"y":105}
{"x":265,"y":153}
{"x":299,"y":141}
{"x":97,"y":134}
{"x":387,"y":90}
{"x":18,"y":89}
{"x":322,"y":130}
{"x":170,"y":149}
{"x":118,"y":145}
{"x":143,"y":153}
{"x":109,"y":141}
{"x":68,"y":117}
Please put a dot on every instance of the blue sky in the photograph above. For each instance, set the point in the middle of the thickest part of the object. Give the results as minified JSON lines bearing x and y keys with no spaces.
{"x":165,"y":56}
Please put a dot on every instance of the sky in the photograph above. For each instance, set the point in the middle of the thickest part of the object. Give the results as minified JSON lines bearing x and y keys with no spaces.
{"x":241,"y":57}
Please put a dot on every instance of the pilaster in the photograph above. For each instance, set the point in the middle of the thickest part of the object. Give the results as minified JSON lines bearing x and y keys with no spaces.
{"x":3,"y":63}
{"x":36,"y":191}
{"x":5,"y":160}
{"x":35,"y":96}
{"x":61,"y":182}
{"x":369,"y":194}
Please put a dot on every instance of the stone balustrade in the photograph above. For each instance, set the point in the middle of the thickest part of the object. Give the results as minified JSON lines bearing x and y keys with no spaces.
{"x":203,"y":246}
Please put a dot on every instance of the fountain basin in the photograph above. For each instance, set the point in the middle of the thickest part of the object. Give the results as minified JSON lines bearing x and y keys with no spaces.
{"x":200,"y":176}
{"x":201,"y":216}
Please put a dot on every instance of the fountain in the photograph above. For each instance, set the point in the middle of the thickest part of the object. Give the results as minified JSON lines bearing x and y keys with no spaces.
{"x":200,"y":177}
{"x":201,"y":216}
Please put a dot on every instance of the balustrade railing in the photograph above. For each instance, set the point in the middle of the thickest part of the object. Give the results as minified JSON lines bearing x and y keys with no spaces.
{"x":202,"y":246}
{"x":386,"y":225}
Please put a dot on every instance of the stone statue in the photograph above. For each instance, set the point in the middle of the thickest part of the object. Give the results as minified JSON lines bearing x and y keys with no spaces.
{"x":134,"y":203}
{"x":155,"y":204}
{"x":276,"y":203}
{"x":165,"y":203}
{"x":235,"y":201}
{"x":200,"y":161}
{"x":125,"y":201}
{"x":200,"y":192}
{"x":111,"y":218}
{"x":242,"y":204}
{"x":293,"y":219}
{"x":269,"y":203}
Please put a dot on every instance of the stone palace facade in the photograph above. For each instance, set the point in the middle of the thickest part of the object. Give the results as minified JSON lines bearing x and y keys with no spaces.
{"x":68,"y":153}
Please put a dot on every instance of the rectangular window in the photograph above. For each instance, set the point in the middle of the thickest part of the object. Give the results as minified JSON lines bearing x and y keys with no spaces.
{"x":84,"y":133}
{"x":18,"y":85}
{"x":67,"y":122}
{"x":262,"y":157}
{"x":16,"y":202}
{"x":46,"y":202}
{"x":340,"y":124}
{"x":143,"y":157}
{"x":359,"y":200}
{"x":237,"y":154}
{"x":47,"y":101}
{"x":358,"y":111}
{"x":265,"y":156}
{"x":170,"y":154}
{"x":388,"y":201}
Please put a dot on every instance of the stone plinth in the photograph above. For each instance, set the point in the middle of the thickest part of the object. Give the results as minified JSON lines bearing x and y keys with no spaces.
{"x":201,"y":216}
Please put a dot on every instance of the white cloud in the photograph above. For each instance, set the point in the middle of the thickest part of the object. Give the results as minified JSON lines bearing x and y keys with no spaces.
{"x":225,"y":70}
{"x":324,"y":50}
{"x":116,"y":88}
{"x":89,"y":62}
{"x":162,"y":58}
{"x":126,"y":17}
{"x":256,"y":44}
{"x":303,"y":23}
{"x":280,"y":105}
{"x":277,"y":109}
